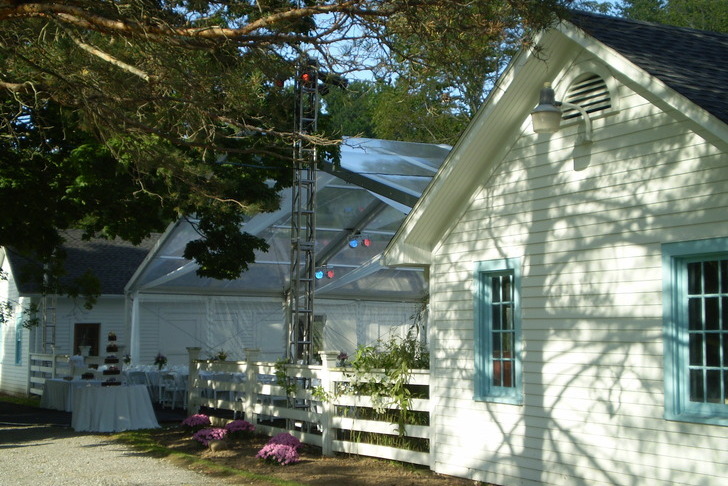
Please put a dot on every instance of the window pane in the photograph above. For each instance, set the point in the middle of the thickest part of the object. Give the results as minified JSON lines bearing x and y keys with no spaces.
{"x":712,"y":349}
{"x":710,"y":277}
{"x":506,"y":342}
{"x":711,"y":313}
{"x":713,"y":391}
{"x":696,"y":349}
{"x":496,"y":345}
{"x":497,"y":370}
{"x":496,"y":317}
{"x":508,"y":373}
{"x":506,"y":288}
{"x":724,"y":317}
{"x":696,"y":385}
{"x":507,"y":317}
{"x":694,"y":278}
{"x":495,"y":289}
{"x":695,"y":314}
{"x":724,"y":276}
{"x":725,"y":351}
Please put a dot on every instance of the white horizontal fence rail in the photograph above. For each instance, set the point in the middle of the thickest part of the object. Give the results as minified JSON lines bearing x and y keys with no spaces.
{"x":315,"y":403}
{"x":45,"y":366}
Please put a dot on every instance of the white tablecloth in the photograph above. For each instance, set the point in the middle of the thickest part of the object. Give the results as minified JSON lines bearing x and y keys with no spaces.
{"x":58,"y":394}
{"x":113,"y":409}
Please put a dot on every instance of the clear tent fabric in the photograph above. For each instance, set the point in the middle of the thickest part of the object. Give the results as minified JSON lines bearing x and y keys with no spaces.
{"x":367,"y":193}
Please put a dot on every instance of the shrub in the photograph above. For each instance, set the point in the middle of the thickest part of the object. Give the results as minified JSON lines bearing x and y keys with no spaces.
{"x":197,"y":420}
{"x":239,"y":427}
{"x":282,"y":448}
{"x":204,"y":436}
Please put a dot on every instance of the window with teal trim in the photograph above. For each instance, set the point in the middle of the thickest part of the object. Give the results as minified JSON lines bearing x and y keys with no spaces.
{"x":696,"y":330}
{"x":498,"y":331}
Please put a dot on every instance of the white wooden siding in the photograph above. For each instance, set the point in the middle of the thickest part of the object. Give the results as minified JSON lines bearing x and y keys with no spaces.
{"x":588,"y":222}
{"x":13,"y":377}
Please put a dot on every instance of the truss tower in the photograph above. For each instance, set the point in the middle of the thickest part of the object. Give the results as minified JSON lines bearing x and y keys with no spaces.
{"x":303,"y":215}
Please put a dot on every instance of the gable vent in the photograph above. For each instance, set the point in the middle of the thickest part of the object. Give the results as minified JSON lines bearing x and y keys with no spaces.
{"x":590,"y":92}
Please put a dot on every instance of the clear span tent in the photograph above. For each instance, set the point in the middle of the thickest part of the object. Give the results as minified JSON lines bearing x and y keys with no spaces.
{"x":366,"y":195}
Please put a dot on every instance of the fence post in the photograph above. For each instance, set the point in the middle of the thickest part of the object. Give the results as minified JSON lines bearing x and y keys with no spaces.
{"x":193,"y":380}
{"x":252,"y":356}
{"x":328,"y":360}
{"x":53,"y":365}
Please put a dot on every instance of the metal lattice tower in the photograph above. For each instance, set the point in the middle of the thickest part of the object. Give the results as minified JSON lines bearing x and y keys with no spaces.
{"x":48,"y":306}
{"x":303,"y":215}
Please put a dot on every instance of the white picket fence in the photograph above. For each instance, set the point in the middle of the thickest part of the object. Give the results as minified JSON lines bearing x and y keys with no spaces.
{"x":333,"y":424}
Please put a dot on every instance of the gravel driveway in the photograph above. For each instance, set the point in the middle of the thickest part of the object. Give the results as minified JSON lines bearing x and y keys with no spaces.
{"x":37,"y":448}
{"x":39,"y":455}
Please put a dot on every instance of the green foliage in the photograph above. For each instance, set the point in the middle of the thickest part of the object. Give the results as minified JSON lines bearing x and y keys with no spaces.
{"x":711,"y":15}
{"x":282,"y":379}
{"x":383,"y":372}
{"x":119,"y":120}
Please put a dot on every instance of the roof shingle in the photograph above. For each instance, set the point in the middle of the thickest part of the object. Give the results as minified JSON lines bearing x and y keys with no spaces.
{"x":113,"y":262}
{"x":691,"y":62}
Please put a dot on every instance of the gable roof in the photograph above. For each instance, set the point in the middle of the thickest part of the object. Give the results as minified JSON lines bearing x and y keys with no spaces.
{"x":504,"y":117}
{"x":113,"y":262}
{"x":692,"y":62}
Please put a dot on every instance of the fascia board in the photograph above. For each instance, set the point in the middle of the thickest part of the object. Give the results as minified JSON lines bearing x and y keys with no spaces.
{"x":495,"y":127}
{"x":650,"y":87}
{"x":131,"y":284}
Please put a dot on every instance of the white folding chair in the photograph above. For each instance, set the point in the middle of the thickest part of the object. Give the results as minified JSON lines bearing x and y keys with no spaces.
{"x":170,"y":391}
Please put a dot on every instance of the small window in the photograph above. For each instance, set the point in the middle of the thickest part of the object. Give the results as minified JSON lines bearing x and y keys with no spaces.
{"x":498,"y":331}
{"x":590,"y":92}
{"x":696,"y":331}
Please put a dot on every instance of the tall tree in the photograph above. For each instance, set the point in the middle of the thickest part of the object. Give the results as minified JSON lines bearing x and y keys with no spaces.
{"x":710,"y":15}
{"x":119,"y":115}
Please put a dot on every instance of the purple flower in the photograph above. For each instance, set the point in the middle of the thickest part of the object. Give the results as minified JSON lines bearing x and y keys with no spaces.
{"x":280,"y":453}
{"x":204,"y":436}
{"x":281,"y":448}
{"x":239,"y":426}
{"x":197,"y":420}
{"x":287,"y":439}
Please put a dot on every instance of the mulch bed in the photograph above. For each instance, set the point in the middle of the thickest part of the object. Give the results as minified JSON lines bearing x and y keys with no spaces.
{"x":313,"y":468}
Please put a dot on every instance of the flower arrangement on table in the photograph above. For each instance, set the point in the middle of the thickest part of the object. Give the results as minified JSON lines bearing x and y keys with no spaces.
{"x":160,"y":360}
{"x":342,"y":357}
{"x":204,"y":436}
{"x":239,"y":428}
{"x":220,"y":355}
{"x":197,"y":421}
{"x":282,"y":449}
{"x":126,"y":359}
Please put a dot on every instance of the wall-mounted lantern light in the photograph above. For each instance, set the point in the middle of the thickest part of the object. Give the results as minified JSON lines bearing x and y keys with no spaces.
{"x":546,"y":117}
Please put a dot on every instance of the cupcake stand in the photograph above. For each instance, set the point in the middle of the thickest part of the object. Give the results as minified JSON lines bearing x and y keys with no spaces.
{"x":112,"y":406}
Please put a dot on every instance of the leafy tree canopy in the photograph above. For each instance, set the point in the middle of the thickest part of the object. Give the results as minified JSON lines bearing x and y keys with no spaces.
{"x":711,"y":15}
{"x":119,"y":116}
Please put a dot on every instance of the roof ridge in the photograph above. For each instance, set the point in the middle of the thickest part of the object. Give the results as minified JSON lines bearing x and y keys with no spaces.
{"x":646,"y":23}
